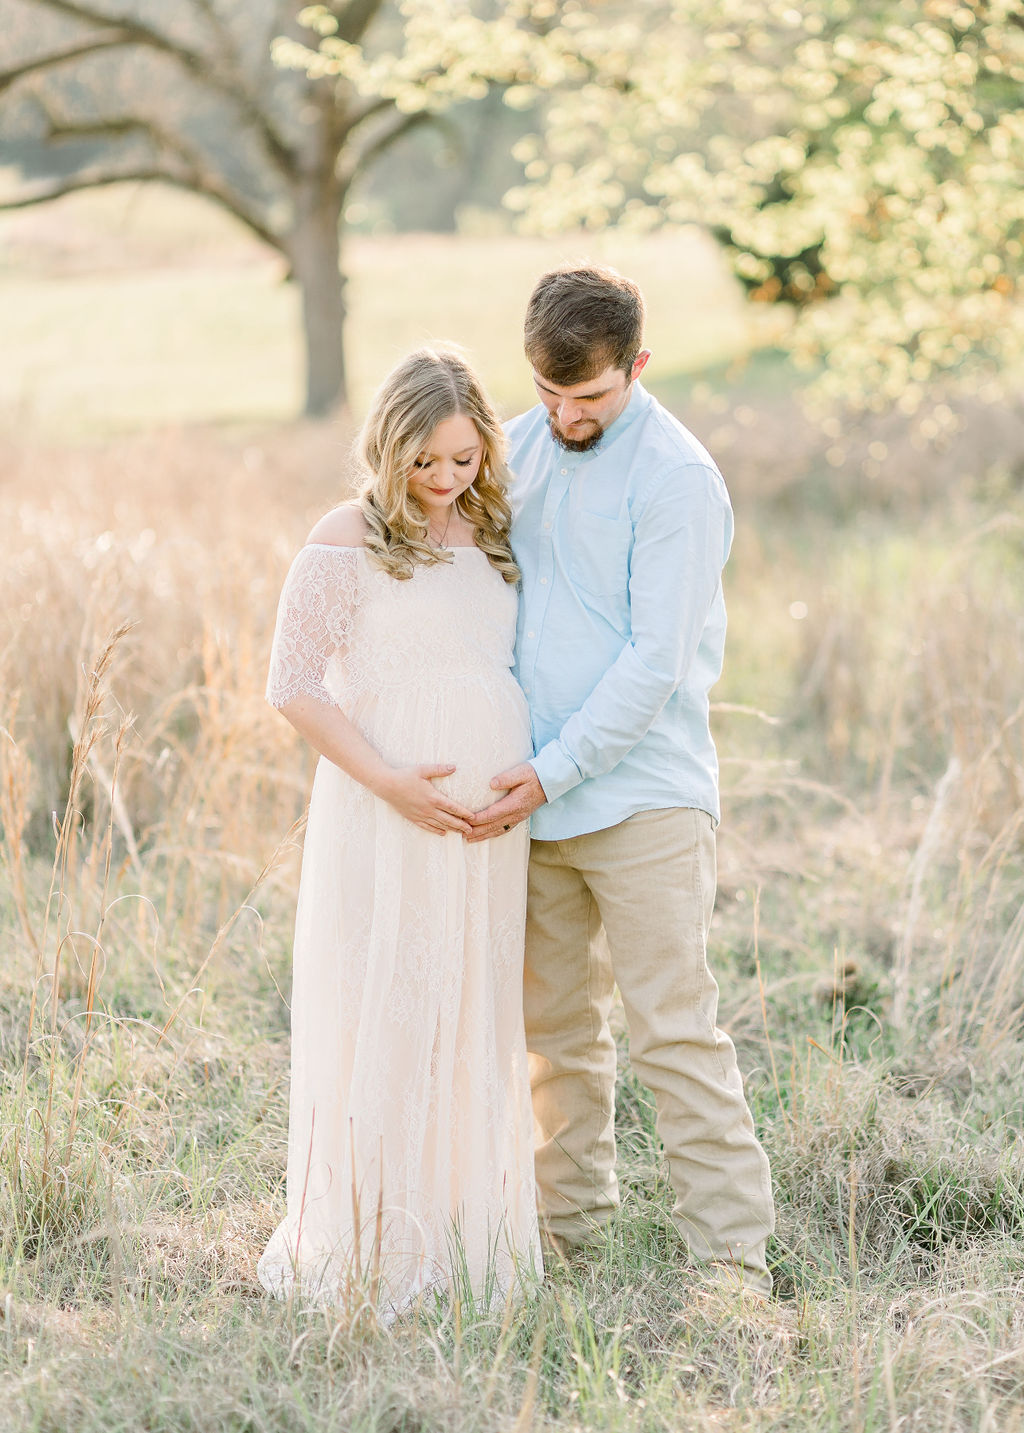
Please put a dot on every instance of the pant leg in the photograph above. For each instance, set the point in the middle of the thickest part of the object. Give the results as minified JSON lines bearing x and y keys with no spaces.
{"x":653,"y":877}
{"x":568,"y":993}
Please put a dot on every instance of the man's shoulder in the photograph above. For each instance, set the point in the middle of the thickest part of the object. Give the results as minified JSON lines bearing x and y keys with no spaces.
{"x":671,"y":441}
{"x":671,"y":464}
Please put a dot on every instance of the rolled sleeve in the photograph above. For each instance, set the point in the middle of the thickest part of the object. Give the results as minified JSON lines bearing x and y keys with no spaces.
{"x":682,"y":539}
{"x":622,"y":618}
{"x":556,"y":770}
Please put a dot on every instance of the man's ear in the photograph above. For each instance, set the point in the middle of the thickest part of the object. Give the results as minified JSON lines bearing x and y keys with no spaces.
{"x":639,"y":363}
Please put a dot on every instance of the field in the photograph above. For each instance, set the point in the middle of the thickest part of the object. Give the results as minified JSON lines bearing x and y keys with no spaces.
{"x":869,"y":934}
{"x":131,"y":307}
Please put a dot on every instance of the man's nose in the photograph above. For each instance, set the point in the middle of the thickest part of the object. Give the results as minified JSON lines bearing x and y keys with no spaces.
{"x":568,"y":412}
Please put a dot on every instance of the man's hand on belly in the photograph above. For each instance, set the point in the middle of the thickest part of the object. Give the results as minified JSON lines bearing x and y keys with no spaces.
{"x":524,"y":794}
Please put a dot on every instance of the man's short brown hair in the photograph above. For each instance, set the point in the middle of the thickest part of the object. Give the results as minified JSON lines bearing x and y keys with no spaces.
{"x":580,"y":322}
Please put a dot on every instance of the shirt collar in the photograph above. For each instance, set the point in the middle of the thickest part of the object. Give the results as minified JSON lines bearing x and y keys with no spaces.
{"x":639,"y":399}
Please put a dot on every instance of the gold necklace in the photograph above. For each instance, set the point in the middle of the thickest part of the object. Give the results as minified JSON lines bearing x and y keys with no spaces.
{"x":439,"y":541}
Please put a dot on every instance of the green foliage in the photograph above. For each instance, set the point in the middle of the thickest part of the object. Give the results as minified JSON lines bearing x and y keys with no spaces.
{"x":870,"y":152}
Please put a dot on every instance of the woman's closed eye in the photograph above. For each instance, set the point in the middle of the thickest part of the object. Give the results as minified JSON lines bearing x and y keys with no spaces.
{"x":422,"y":463}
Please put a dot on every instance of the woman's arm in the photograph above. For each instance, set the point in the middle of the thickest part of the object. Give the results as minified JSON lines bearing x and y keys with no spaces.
{"x":409,"y":789}
{"x":314,"y":616}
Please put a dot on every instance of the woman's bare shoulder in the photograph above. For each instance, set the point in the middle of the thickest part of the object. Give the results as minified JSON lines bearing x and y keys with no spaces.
{"x":343,"y":526}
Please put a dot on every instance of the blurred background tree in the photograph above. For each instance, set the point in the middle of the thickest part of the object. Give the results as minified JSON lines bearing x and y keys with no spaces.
{"x":861,"y":163}
{"x":97,"y":93}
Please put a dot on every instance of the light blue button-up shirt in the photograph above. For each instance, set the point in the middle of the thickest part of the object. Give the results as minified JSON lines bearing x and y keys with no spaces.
{"x":621,"y":620}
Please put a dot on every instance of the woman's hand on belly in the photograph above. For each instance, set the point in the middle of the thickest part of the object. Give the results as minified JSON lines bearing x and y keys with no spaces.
{"x":410,"y":790}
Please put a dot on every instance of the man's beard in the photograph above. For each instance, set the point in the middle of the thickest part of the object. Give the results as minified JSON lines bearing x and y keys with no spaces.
{"x":575,"y":445}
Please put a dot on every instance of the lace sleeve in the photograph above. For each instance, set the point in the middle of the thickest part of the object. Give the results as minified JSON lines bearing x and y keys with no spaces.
{"x":313,"y":619}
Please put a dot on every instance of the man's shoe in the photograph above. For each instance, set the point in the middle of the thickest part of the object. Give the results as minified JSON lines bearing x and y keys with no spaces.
{"x":554,"y":1247}
{"x":558,"y":1249}
{"x":734,"y":1278}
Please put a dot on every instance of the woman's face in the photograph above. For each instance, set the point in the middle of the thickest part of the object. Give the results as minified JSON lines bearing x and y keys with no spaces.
{"x":448,"y":465}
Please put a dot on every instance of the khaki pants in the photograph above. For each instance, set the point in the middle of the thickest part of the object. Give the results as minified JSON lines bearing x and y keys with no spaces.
{"x":631,"y":906}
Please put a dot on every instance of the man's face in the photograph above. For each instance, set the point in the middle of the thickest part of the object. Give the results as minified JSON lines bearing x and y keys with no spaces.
{"x":579,"y":414}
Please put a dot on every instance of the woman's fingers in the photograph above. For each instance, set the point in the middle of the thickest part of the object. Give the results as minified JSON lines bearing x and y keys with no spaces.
{"x":461,"y":814}
{"x":439,"y":828}
{"x":432,"y":810}
{"x":451,"y":822}
{"x":445,"y":803}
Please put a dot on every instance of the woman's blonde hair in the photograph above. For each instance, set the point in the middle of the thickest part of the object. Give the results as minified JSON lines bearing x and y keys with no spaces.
{"x":425,"y":389}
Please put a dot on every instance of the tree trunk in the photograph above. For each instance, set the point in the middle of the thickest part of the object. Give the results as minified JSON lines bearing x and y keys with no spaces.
{"x":315,"y":254}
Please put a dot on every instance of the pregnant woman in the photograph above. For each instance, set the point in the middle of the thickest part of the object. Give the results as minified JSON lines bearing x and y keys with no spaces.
{"x":410,"y":1145}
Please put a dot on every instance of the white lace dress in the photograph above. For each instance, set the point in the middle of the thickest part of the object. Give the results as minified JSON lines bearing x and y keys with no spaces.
{"x":410,"y":1144}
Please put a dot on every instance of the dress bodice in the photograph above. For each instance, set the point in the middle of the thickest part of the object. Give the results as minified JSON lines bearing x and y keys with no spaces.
{"x":346,"y":628}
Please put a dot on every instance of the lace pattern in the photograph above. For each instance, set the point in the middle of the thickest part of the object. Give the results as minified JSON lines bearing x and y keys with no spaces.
{"x":313,"y":620}
{"x":410,"y":1091}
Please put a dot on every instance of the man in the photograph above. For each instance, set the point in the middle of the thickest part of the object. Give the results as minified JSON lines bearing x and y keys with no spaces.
{"x":622,"y":527}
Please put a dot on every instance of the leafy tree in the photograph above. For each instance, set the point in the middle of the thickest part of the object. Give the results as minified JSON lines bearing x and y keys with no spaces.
{"x":861,"y":160}
{"x":224,"y":98}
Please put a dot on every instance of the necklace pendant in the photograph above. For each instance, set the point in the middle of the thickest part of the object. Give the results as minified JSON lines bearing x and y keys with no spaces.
{"x":439,"y":541}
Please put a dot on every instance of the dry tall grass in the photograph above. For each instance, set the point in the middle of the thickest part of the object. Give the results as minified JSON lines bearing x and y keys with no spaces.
{"x":869,"y":938}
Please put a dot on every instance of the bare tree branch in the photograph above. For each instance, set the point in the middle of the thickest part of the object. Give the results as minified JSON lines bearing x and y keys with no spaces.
{"x":90,"y":179}
{"x":195,"y":172}
{"x":358,"y":113}
{"x":47,"y":62}
{"x":200,"y":65}
{"x":57,"y":130}
{"x":354,"y":17}
{"x":301,"y":140}
{"x":215,"y":22}
{"x":385,"y":137}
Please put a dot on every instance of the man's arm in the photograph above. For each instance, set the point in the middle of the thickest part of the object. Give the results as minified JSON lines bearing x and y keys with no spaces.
{"x":681,"y":541}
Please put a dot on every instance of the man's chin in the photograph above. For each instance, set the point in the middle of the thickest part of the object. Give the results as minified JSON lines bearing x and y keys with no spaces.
{"x":576,"y":445}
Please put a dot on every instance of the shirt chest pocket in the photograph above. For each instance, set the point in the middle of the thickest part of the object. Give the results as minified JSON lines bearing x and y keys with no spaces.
{"x":599,"y":555}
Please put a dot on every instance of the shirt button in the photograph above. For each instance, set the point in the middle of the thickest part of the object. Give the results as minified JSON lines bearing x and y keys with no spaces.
{"x":565,"y":472}
{"x":543,"y":582}
{"x":531,"y":634}
{"x":547,"y":527}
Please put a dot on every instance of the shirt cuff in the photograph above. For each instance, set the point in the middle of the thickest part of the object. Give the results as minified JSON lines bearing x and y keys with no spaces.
{"x":556,"y":770}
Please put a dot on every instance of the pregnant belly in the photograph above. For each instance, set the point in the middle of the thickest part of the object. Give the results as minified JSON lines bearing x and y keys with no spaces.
{"x":480,"y":727}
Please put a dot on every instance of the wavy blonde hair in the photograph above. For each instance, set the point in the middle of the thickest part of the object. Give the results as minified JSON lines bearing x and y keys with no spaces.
{"x":426,"y":388}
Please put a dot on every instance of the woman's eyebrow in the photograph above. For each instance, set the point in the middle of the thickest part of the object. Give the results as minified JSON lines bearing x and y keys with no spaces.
{"x":429,"y":457}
